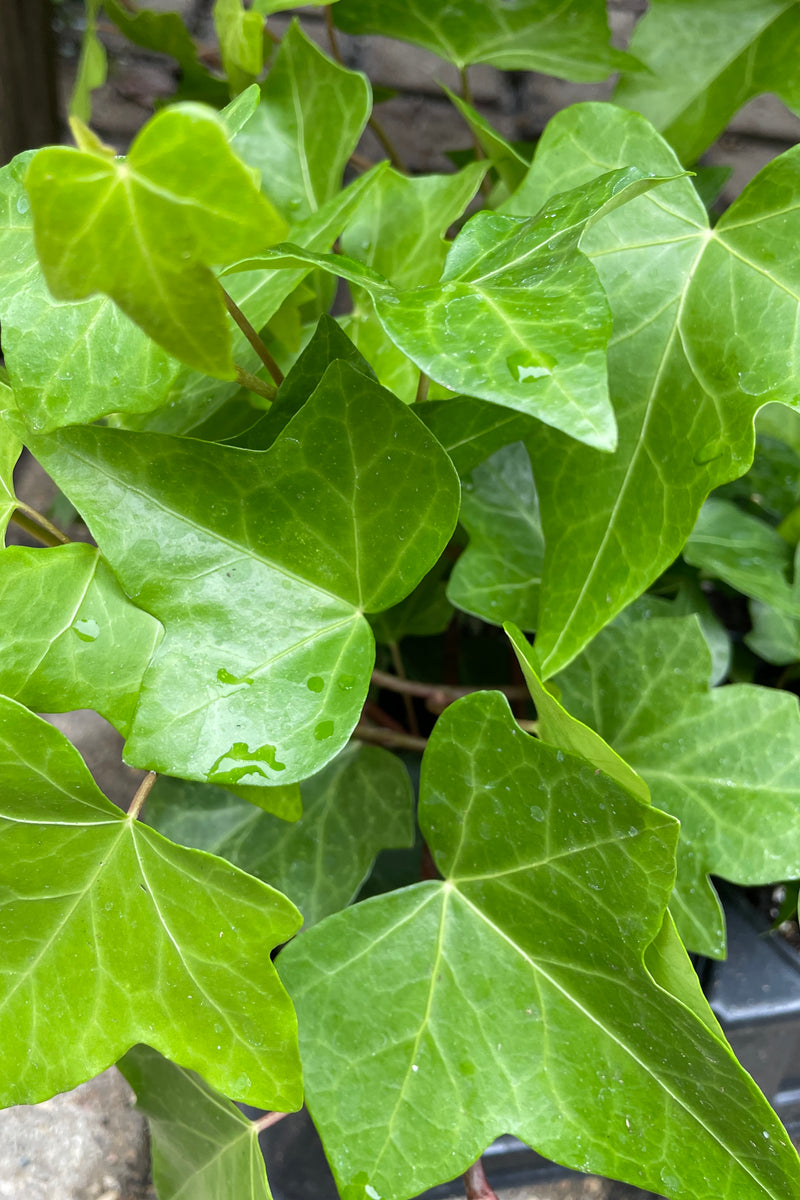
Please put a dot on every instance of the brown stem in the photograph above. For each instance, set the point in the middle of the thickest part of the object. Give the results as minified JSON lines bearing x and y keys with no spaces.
{"x":388,"y":737}
{"x":361,"y":162}
{"x":427,"y":867}
{"x":476,"y":1184}
{"x":252,"y":337}
{"x":422,"y":388}
{"x":397,"y":661}
{"x":270,"y":1118}
{"x":443,"y":691}
{"x":387,"y":143}
{"x":254,"y":384}
{"x":142,"y":792}
{"x":272,"y":36}
{"x":37,"y":526}
{"x":335,"y":51}
{"x":379,"y":717}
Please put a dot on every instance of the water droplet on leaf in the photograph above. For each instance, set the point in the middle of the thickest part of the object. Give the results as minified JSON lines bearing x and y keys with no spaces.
{"x":526,"y":366}
{"x":86,"y":629}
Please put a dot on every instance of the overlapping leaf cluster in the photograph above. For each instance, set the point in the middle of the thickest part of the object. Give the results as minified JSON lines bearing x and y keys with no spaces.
{"x":517,"y":423}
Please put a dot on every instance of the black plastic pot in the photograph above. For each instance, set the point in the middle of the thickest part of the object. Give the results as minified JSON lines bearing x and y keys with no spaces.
{"x":755,"y":995}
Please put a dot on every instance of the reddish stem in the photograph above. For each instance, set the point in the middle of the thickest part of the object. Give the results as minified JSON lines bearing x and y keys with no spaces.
{"x":476,"y":1184}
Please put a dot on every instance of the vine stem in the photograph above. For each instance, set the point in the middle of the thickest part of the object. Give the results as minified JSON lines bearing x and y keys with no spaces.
{"x":443,"y":692}
{"x":476,"y":1184}
{"x":268,"y":1119}
{"x":142,"y":792}
{"x":252,"y":337}
{"x":254,"y":384}
{"x":408,"y":704}
{"x":373,"y":122}
{"x":388,"y":737}
{"x":422,"y":388}
{"x":34,"y":523}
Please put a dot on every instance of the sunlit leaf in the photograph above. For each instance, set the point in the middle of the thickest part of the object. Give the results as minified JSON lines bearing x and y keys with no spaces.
{"x":112,"y":934}
{"x":144,"y":230}
{"x":69,"y":636}
{"x":514,"y":996}
{"x":262,"y":571}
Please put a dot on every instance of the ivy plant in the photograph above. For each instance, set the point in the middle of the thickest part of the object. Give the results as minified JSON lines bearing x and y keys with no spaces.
{"x":391,"y":555}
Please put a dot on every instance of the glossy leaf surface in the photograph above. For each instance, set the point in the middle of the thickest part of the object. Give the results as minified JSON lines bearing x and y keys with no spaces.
{"x":515,"y":992}
{"x":472,"y":430}
{"x":705,"y":60}
{"x":725,"y":761}
{"x":68,"y":362}
{"x":10,"y":448}
{"x":145,"y":230}
{"x":522,"y":36}
{"x":361,"y":803}
{"x":745,"y":552}
{"x":261,"y":572}
{"x":127,"y":937}
{"x":613,"y":523}
{"x":69,"y":636}
{"x":477,"y":331}
{"x":311,"y":115}
{"x":498,"y":575}
{"x":212,"y":1155}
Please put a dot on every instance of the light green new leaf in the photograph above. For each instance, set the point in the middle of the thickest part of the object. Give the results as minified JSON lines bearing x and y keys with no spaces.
{"x":203,"y":1147}
{"x":92,"y":65}
{"x":68,"y":362}
{"x":166,"y":33}
{"x":359,"y":804}
{"x":311,"y":116}
{"x":10,"y":450}
{"x":612,"y":524}
{"x":706,"y":59}
{"x":509,"y":164}
{"x":515,"y":996}
{"x":69,"y":636}
{"x":745,"y":552}
{"x":572,"y":42}
{"x":111,"y":934}
{"x":471,"y":430}
{"x":193,"y":397}
{"x":478,"y":331}
{"x":725,"y":761}
{"x":498,"y":575}
{"x":262,"y":571}
{"x":145,"y":230}
{"x":266,"y":7}
{"x":399,"y":231}
{"x":240,"y":33}
{"x":559,"y":728}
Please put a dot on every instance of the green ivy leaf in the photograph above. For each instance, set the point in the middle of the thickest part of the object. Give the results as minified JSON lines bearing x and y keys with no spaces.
{"x":126,"y":937}
{"x":775,"y":635}
{"x":509,"y":164}
{"x":92,"y":65}
{"x":399,"y":231}
{"x":311,"y":116}
{"x":359,"y":804}
{"x":202,"y":1145}
{"x":193,"y":397}
{"x":518,"y":37}
{"x":166,"y":33}
{"x":423,"y":613}
{"x":516,"y":990}
{"x":143,"y":230}
{"x":471,"y":430}
{"x":498,"y":575}
{"x":707,"y":59}
{"x":240,"y":33}
{"x":745,"y":552}
{"x":261,"y":573}
{"x":477,"y":331}
{"x":69,"y":636}
{"x":613,"y":524}
{"x":558,"y":728}
{"x":725,"y":761}
{"x":68,"y":362}
{"x":10,"y":450}
{"x":267,"y":7}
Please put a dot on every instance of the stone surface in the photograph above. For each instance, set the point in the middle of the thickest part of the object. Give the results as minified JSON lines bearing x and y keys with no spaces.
{"x":88,"y":1144}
